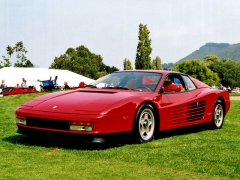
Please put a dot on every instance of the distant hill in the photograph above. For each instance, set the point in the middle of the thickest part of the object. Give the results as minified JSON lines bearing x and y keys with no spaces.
{"x":221,"y":50}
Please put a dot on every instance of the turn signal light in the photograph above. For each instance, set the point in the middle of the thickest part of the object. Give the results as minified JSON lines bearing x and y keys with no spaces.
{"x":20,"y":120}
{"x":81,"y":126}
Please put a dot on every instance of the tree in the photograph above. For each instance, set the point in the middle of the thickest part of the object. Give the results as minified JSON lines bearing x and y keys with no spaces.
{"x":127,"y":65}
{"x":22,"y":60}
{"x":199,"y":70}
{"x":210,"y":59}
{"x":108,"y":69}
{"x":228,"y":71}
{"x":28,"y":64}
{"x":157,"y":63}
{"x":6,"y":62}
{"x":81,"y":61}
{"x":167,"y":66}
{"x":20,"y":51}
{"x":143,"y":59}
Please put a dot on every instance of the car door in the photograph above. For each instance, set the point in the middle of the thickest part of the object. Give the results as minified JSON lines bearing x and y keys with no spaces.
{"x":178,"y":108}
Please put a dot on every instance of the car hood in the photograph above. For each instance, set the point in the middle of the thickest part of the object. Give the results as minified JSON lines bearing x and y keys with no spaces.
{"x":78,"y":101}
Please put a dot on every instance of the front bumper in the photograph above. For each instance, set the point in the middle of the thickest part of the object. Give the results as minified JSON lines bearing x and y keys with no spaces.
{"x":75,"y":138}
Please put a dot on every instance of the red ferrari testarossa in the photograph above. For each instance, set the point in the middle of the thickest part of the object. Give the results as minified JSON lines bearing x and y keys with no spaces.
{"x":141,"y":102}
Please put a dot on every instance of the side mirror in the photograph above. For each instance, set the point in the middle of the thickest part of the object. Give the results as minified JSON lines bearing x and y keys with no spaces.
{"x":172,"y":88}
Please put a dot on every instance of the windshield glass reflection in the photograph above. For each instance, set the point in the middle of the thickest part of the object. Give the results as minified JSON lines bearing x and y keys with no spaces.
{"x":141,"y":81}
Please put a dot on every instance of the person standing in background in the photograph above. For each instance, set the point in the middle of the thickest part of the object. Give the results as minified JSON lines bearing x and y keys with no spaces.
{"x":66,"y":85}
{"x":24,"y":83}
{"x":38,"y":85}
{"x":3,"y":85}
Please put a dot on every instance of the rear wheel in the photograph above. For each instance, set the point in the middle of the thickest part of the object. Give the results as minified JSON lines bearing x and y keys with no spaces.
{"x":218,"y":115}
{"x":144,"y":124}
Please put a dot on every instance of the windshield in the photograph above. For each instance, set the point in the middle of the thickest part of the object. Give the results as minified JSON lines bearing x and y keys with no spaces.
{"x":141,"y":81}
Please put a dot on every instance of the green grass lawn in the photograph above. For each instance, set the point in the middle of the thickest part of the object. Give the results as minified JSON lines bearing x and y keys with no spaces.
{"x":189,"y":153}
{"x":234,"y":94}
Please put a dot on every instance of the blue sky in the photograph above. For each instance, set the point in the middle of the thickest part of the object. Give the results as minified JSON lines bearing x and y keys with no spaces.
{"x":110,"y":28}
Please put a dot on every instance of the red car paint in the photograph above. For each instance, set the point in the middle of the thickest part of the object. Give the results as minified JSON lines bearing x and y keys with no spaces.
{"x":17,"y":90}
{"x":112,"y":108}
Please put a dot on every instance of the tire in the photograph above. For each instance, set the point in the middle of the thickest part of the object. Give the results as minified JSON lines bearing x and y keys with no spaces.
{"x":144,"y":124}
{"x":218,"y":115}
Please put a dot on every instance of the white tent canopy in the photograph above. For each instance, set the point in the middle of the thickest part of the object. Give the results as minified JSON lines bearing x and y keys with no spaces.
{"x":13,"y":76}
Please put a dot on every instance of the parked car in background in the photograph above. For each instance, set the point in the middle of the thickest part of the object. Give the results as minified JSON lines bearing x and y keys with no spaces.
{"x":16,"y":90}
{"x":140,"y":102}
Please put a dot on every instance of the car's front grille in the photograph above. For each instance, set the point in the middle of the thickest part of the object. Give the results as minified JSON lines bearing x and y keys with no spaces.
{"x":48,"y":123}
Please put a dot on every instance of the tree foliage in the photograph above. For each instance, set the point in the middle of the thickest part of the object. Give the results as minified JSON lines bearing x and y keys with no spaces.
{"x":81,"y":61}
{"x":20,"y":51}
{"x":209,"y":59}
{"x":199,"y":70}
{"x":157,"y":63}
{"x":143,"y":59}
{"x":6,"y":62}
{"x":20,"y":54}
{"x":228,"y":70}
{"x":104,"y":70}
{"x":167,"y":66}
{"x":127,"y":65}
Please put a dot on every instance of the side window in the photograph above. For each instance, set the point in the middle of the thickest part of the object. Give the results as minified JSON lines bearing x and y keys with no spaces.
{"x":189,"y":84}
{"x":173,"y":83}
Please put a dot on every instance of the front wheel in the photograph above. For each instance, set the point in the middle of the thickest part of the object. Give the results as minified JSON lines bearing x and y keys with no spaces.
{"x":218,"y":115}
{"x":144,"y":124}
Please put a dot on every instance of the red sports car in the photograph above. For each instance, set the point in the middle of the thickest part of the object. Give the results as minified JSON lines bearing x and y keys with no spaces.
{"x":16,"y":90}
{"x":141,"y":102}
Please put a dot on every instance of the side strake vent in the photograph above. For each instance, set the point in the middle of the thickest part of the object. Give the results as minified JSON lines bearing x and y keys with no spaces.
{"x":196,"y":111}
{"x":192,"y":112}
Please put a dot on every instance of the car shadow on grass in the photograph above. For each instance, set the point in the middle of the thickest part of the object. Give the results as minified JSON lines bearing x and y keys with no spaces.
{"x":58,"y":143}
{"x":112,"y":141}
{"x":183,"y":131}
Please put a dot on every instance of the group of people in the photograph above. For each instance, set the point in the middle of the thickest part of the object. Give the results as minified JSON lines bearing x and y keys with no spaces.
{"x":36,"y":86}
{"x":24,"y":83}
